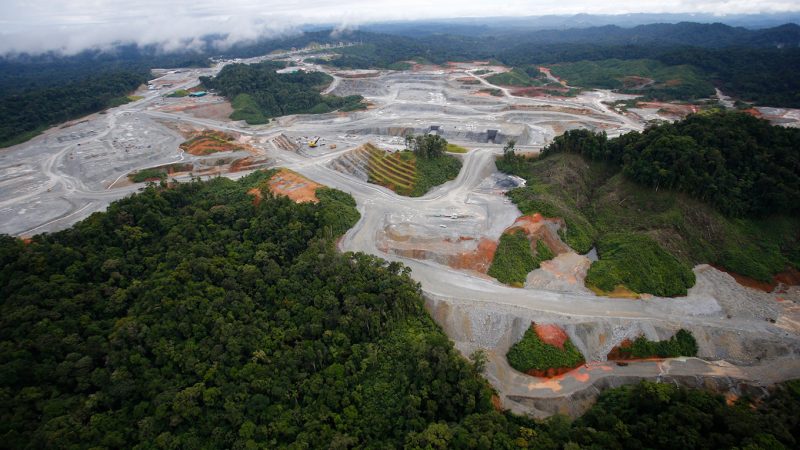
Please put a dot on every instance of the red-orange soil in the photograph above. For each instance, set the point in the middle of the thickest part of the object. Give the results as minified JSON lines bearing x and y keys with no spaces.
{"x":208,"y":142}
{"x":551,"y":334}
{"x":294,"y":186}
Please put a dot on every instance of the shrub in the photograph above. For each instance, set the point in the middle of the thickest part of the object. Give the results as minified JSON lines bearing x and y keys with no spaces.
{"x":531,"y":353}
{"x":637,"y":262}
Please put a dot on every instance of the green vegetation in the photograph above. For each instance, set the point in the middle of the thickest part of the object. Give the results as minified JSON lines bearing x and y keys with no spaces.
{"x":596,"y":198}
{"x":270,"y":94}
{"x":179,"y":93}
{"x":151,"y":174}
{"x":192,"y":317}
{"x":531,"y":353}
{"x":665,"y":416}
{"x":432,"y":172}
{"x":338,"y":210}
{"x":543,"y":252}
{"x":682,"y":344}
{"x":119,"y":101}
{"x":413,"y":172}
{"x":580,"y":234}
{"x":396,"y":171}
{"x":245,"y":108}
{"x":733,"y":161}
{"x":638,"y":263}
{"x":514,"y":77}
{"x":189,"y":317}
{"x":26,"y":113}
{"x":453,"y":148}
{"x":651,"y":78}
{"x":513,"y":259}
{"x":158,"y":173}
{"x":491,"y":91}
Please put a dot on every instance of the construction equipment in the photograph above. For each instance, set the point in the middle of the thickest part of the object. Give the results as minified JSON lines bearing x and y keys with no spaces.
{"x":313,"y":142}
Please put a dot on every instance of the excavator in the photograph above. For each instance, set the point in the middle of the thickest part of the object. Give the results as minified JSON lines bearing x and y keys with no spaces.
{"x":313,"y":142}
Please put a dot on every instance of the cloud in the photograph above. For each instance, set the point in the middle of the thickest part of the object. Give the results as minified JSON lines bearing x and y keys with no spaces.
{"x":68,"y":27}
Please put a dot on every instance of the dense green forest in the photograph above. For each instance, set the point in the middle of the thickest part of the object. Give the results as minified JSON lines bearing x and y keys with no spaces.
{"x":258,"y":92}
{"x":647,"y":77}
{"x":735,"y":162}
{"x":754,"y":65}
{"x":650,"y":234}
{"x":27,"y":113}
{"x":193,"y":316}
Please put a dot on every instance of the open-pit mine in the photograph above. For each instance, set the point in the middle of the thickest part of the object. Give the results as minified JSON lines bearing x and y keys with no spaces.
{"x":747,"y":339}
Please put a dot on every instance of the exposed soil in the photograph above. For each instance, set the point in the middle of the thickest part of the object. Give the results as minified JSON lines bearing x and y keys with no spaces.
{"x":216,"y":111}
{"x":552,"y":372}
{"x":468,"y":80}
{"x":355,"y":74}
{"x":754,"y":112}
{"x":257,"y":197}
{"x":747,"y":281}
{"x":618,"y":292}
{"x":537,"y":227}
{"x":480,"y":260}
{"x":248,"y":163}
{"x":566,"y":273}
{"x":294,"y":186}
{"x":551,"y":334}
{"x":497,"y":403}
{"x":789,"y":277}
{"x":208,"y":142}
{"x":670,"y":108}
{"x":538,"y":91}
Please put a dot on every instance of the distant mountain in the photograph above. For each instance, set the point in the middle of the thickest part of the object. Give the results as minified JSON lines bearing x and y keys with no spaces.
{"x":714,"y":35}
{"x":494,"y":25}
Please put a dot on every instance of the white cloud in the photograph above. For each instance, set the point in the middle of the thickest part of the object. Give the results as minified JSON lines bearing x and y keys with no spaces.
{"x":74,"y":25}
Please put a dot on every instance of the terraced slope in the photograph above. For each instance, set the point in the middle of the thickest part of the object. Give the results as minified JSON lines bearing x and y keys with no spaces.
{"x":401,"y":172}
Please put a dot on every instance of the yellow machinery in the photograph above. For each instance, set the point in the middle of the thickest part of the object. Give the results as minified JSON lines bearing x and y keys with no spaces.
{"x":313,"y":142}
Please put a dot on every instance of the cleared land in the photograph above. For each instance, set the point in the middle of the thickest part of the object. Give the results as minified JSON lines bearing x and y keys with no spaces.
{"x":208,"y":142}
{"x":447,"y":237}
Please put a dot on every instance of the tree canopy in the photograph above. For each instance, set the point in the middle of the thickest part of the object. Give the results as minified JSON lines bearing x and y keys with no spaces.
{"x":733,"y":161}
{"x":252,"y":86}
{"x":202,"y":316}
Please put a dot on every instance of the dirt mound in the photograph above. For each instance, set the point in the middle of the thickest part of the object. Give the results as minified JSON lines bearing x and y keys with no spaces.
{"x":248,"y":163}
{"x":480,"y":260}
{"x":551,"y":334}
{"x":217,"y":111}
{"x":461,"y":253}
{"x":208,"y":142}
{"x":294,"y":186}
{"x":284,"y":143}
{"x":669,"y":108}
{"x":789,"y":277}
{"x":538,"y":91}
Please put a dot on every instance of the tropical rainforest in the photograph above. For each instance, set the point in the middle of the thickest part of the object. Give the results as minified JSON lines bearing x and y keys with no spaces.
{"x":258,"y":92}
{"x":752,"y":65}
{"x":717,"y":188}
{"x":202,"y":315}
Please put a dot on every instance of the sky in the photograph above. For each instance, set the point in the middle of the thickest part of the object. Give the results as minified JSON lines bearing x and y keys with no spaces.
{"x":70,"y":26}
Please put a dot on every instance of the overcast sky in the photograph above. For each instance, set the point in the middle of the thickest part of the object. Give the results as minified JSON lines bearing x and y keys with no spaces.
{"x":70,"y":26}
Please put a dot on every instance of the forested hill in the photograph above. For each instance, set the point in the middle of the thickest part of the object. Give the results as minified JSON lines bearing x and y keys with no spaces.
{"x":258,"y":92}
{"x":739,"y":164}
{"x":197,"y":316}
